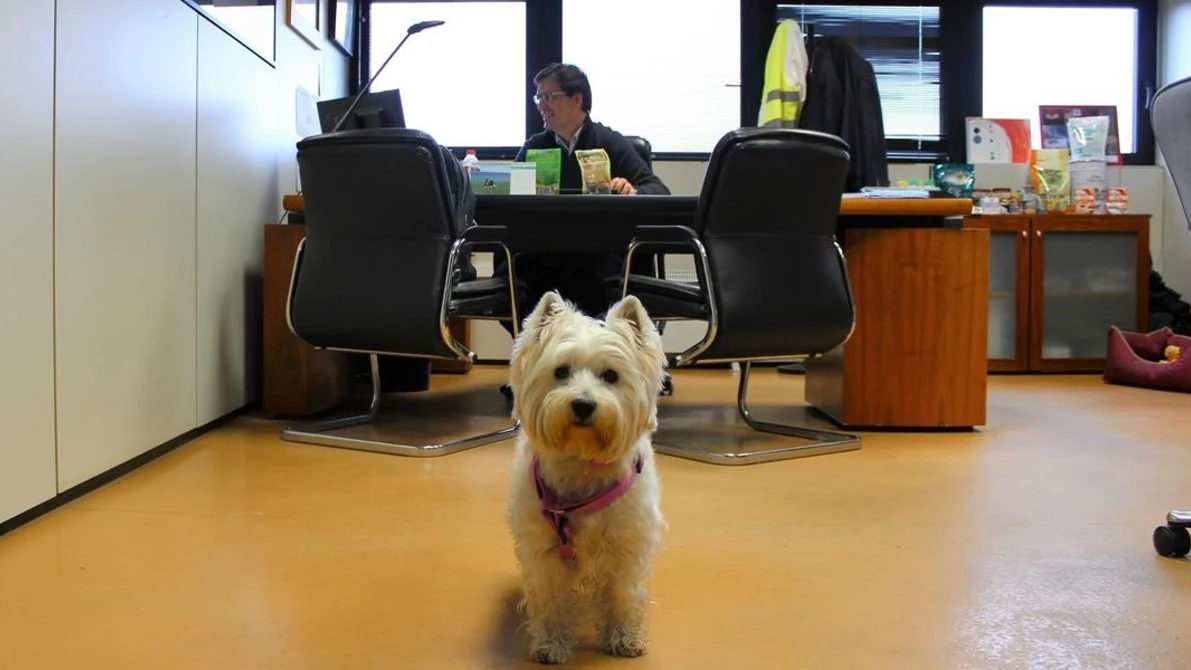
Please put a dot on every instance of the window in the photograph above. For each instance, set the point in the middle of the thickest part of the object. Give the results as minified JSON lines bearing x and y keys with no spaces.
{"x":659,"y":69}
{"x":682,"y":74}
{"x":1061,"y":56}
{"x":462,"y":82}
{"x":902,"y":44}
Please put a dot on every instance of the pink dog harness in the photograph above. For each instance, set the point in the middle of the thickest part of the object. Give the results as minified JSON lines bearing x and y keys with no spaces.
{"x":558,"y":515}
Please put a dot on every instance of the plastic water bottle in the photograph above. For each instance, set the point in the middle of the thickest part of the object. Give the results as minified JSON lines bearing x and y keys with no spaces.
{"x":470,"y":162}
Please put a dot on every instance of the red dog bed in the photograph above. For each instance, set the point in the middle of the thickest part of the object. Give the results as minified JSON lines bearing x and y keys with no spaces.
{"x":1134,"y":359}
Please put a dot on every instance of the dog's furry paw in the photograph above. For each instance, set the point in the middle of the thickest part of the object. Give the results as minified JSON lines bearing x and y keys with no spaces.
{"x":550,"y":653}
{"x":628,"y":645}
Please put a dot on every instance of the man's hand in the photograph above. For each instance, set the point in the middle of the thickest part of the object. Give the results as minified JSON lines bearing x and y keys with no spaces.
{"x":622,"y":186}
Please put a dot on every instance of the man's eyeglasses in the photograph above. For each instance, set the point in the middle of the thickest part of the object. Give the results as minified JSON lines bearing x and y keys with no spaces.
{"x":548,"y":97}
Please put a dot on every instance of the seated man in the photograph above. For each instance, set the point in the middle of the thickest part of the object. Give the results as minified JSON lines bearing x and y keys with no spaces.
{"x":564,"y":101}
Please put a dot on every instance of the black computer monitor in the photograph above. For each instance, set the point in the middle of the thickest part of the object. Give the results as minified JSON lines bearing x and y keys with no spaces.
{"x":381,"y":109}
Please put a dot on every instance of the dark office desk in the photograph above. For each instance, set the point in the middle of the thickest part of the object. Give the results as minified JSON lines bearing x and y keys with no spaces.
{"x":580,"y":223}
{"x":918,"y":355}
{"x":606,"y":223}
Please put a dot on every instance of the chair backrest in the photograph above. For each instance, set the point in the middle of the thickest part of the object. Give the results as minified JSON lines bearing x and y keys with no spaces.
{"x":643,"y":147}
{"x":645,"y":263}
{"x":380,"y":224}
{"x":1170,"y":115}
{"x":767,"y":216}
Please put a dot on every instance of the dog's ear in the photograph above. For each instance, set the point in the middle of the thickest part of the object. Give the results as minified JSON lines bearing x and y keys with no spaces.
{"x":631,"y":312}
{"x":549,"y":307}
{"x":630,"y":315}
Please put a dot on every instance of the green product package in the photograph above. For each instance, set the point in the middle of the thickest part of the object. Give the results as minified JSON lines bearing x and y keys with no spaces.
{"x":548,"y":164}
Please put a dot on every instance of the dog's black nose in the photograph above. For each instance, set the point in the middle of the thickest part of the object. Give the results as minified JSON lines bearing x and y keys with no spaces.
{"x":583,"y":408}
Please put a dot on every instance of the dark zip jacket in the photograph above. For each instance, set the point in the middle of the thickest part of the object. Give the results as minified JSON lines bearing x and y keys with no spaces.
{"x":842,"y":99}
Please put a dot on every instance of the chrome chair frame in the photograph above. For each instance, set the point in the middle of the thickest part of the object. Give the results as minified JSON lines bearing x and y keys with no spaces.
{"x":318,"y":431}
{"x":1173,"y":539}
{"x":822,"y":441}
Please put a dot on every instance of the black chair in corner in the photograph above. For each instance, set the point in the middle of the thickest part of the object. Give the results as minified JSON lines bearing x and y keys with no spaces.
{"x":379,"y":269}
{"x":772,"y":281}
{"x":1170,"y":116}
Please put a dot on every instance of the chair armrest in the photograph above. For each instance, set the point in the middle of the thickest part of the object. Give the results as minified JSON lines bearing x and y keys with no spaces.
{"x":663,"y":236}
{"x":485,"y":235}
{"x":490,"y":238}
{"x":667,"y":234}
{"x":651,"y":239}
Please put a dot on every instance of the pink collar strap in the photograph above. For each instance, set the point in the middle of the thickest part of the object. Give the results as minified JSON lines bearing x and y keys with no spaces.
{"x":558,"y":515}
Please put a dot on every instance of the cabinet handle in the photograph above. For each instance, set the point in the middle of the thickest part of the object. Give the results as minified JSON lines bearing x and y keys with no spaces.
{"x":1038,"y":233}
{"x":1024,"y":234}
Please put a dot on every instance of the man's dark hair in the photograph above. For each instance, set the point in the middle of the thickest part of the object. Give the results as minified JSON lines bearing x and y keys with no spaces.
{"x":571,"y":80}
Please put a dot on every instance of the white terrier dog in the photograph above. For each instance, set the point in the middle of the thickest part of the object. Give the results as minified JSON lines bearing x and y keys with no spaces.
{"x":585,"y":510}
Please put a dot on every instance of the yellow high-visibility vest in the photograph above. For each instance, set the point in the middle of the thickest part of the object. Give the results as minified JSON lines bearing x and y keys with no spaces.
{"x":785,"y":78}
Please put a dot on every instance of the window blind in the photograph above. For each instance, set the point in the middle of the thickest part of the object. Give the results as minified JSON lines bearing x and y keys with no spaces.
{"x":902,"y":45}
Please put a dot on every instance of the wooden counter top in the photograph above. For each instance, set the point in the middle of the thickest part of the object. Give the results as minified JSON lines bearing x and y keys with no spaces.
{"x":905,"y":207}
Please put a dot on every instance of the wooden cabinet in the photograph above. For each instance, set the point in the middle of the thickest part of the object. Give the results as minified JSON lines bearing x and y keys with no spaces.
{"x":1057,"y":282}
{"x":916,"y":356}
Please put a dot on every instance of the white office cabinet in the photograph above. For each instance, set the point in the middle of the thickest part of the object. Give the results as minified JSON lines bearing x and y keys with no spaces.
{"x":125,"y":245}
{"x":238,"y":142}
{"x":26,"y":256}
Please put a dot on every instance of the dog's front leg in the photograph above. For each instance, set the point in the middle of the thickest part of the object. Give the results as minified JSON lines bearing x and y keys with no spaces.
{"x":552,"y":608}
{"x":621,"y":608}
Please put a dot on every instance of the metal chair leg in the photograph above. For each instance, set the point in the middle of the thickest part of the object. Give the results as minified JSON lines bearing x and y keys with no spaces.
{"x":822,"y":441}
{"x":317,"y":432}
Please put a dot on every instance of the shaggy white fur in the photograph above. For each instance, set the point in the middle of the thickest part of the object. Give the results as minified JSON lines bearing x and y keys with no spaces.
{"x":586,"y":394}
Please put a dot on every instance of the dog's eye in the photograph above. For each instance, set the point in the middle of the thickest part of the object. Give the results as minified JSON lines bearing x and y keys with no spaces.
{"x":562,"y":372}
{"x":610,"y":376}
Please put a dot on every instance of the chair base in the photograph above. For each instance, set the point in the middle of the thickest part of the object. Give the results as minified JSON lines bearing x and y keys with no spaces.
{"x":1173,"y":540}
{"x":821,"y":442}
{"x":319,"y":432}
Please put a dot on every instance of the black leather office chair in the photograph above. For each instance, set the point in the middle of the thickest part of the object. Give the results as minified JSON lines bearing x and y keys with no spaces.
{"x":772,"y":282}
{"x":378,"y":270}
{"x":1170,"y":116}
{"x":646,"y":263}
{"x":649,"y":264}
{"x":643,"y":147}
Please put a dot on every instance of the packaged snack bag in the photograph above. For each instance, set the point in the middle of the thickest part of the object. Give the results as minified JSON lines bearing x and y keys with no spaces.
{"x":1083,"y":200}
{"x":1030,"y":202}
{"x":1087,"y":138}
{"x":596,"y":170}
{"x":954,"y":179}
{"x":548,"y":164}
{"x":1117,"y":200}
{"x":1050,"y":178}
{"x":1011,"y":200}
{"x":1089,"y":183}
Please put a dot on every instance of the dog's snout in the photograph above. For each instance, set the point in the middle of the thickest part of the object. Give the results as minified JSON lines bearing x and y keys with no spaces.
{"x":583,"y":408}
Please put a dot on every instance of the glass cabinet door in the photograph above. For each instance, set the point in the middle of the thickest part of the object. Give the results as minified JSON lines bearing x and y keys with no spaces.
{"x":1089,"y":281}
{"x":1003,"y":295}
